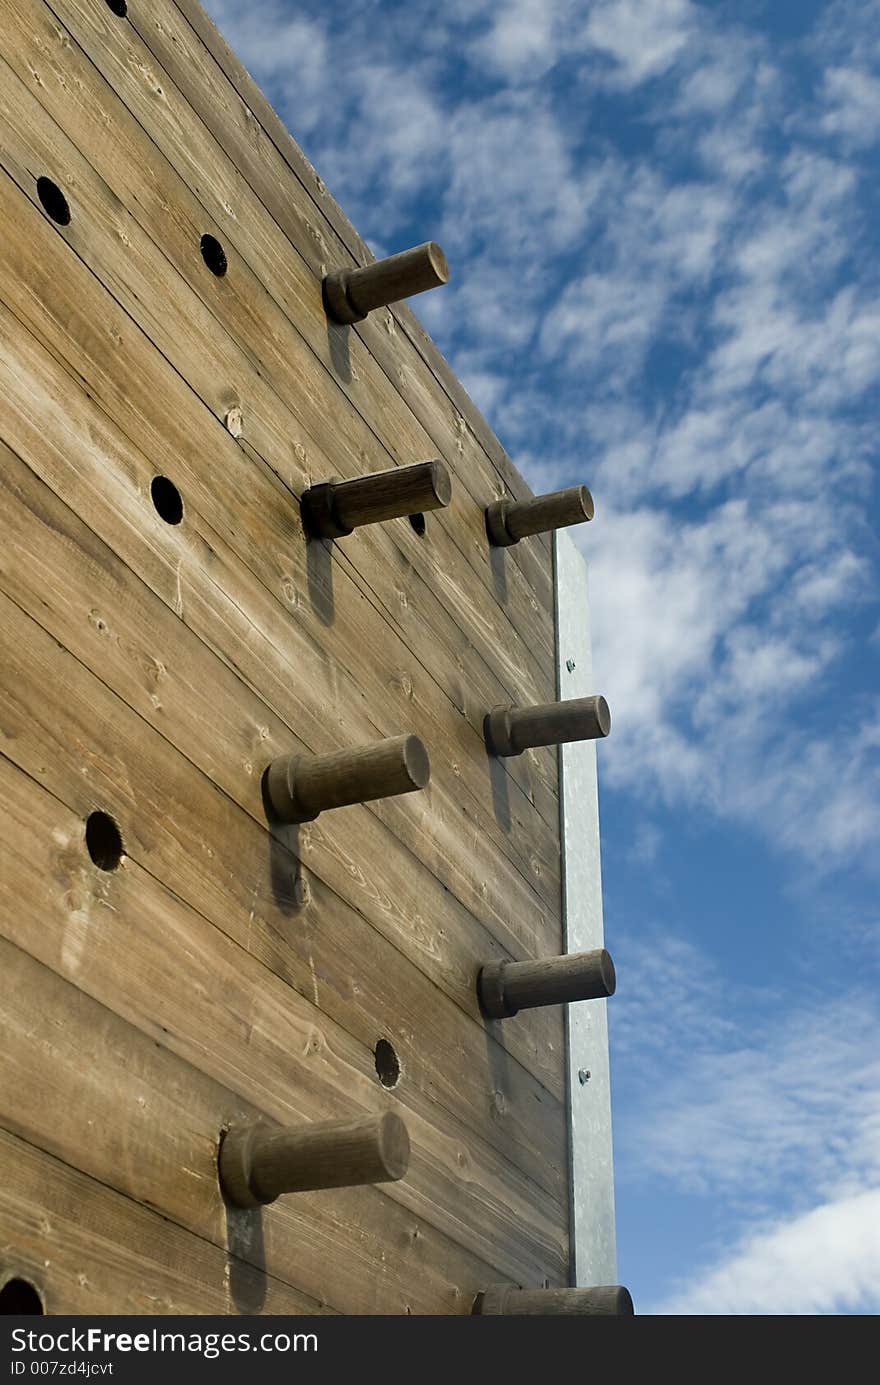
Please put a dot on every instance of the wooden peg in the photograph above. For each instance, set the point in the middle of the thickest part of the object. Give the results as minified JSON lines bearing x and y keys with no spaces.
{"x":349,"y":294}
{"x":506,"y":987}
{"x":332,"y":509}
{"x":508,"y":521}
{"x":511,"y":730}
{"x":302,"y":786}
{"x":603,"y":1301}
{"x":259,"y":1162}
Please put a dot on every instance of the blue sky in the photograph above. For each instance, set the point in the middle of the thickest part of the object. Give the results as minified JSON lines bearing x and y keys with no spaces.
{"x":661,"y":218}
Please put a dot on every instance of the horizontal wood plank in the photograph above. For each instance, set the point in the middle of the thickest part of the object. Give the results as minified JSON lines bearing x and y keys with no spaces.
{"x":89,"y":1250}
{"x":95,"y":1092}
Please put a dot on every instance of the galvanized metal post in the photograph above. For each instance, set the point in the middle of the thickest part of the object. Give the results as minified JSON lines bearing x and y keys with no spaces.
{"x":594,"y":1253}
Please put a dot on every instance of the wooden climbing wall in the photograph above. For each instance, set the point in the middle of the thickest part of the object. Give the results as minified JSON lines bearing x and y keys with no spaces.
{"x":152,"y":669}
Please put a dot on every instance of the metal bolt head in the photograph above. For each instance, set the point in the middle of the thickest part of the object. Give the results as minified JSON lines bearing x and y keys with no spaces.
{"x":584,"y":1076}
{"x":570,"y":665}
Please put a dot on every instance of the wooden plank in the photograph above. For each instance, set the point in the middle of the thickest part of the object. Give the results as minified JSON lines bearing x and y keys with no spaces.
{"x":139,"y":275}
{"x":87,"y":1087}
{"x":125,"y":940}
{"x":180,"y":828}
{"x":88,"y":1250}
{"x":277,"y":356}
{"x":61,"y":433}
{"x":170,"y":556}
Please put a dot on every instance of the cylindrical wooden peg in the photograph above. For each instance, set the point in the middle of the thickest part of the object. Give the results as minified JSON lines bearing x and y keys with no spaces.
{"x":349,"y":294}
{"x":508,"y":521}
{"x":511,"y":730}
{"x":302,"y":786}
{"x":332,"y":509}
{"x":504,"y":988}
{"x":603,"y":1301}
{"x":259,"y":1162}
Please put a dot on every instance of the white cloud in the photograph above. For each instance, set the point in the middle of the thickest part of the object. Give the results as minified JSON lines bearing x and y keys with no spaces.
{"x":731,"y":1089}
{"x":824,"y":1261}
{"x":775,"y":1096}
{"x":643,"y":40}
{"x":524,"y":40}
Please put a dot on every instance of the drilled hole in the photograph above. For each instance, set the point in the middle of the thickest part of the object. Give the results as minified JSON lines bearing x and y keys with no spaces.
{"x":53,"y":200}
{"x":418,"y":523}
{"x":103,"y":841}
{"x":387,"y":1064}
{"x":118,"y":7}
{"x":214,"y":255}
{"x":19,"y":1296}
{"x":167,"y":499}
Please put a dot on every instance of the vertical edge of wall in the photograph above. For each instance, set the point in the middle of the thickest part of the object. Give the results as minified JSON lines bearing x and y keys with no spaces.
{"x":591,"y":1172}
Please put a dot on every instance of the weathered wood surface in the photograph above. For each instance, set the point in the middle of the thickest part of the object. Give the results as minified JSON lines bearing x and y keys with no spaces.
{"x":342,"y":417}
{"x":159,"y":668}
{"x":89,"y":1250}
{"x":178,"y":827}
{"x":227,"y":971}
{"x":137,"y":268}
{"x":249,"y":523}
{"x":101,"y":1095}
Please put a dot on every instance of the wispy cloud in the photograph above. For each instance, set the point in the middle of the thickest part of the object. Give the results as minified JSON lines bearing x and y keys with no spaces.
{"x":765,"y":1102}
{"x":824,"y":1261}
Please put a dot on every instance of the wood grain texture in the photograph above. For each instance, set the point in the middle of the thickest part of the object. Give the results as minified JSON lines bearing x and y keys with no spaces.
{"x":186,"y":832}
{"x":89,"y":1250}
{"x":172,"y":389}
{"x":93,"y":1091}
{"x":151,"y":658}
{"x":268,"y":297}
{"x":511,"y":730}
{"x":156,"y":408}
{"x":410,"y":603}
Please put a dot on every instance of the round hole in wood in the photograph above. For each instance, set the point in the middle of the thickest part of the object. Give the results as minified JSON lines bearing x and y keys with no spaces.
{"x":214,"y":255}
{"x":103,"y":841}
{"x":167,"y":499}
{"x":387,"y":1063}
{"x":19,"y":1296}
{"x":118,"y":7}
{"x":418,"y":523}
{"x":53,"y":201}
